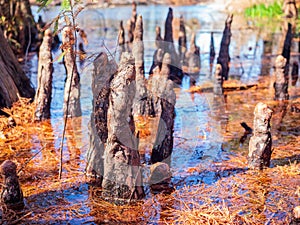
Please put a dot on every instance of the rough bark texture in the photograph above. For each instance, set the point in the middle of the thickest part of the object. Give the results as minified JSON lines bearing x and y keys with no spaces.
{"x":286,"y":52}
{"x":176,"y":73}
{"x":163,"y":98}
{"x":122,"y":172}
{"x":218,"y":80}
{"x":72,"y":84}
{"x":141,"y":99}
{"x":103,"y":73}
{"x":260,"y":145}
{"x":11,"y":193}
{"x":182,"y":41}
{"x":281,"y":83}
{"x":290,"y":9}
{"x":224,"y":57}
{"x":45,"y":68}
{"x":13,"y":81}
{"x":193,"y":56}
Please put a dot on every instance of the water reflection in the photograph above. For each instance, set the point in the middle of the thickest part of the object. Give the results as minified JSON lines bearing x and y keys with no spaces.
{"x":207,"y":127}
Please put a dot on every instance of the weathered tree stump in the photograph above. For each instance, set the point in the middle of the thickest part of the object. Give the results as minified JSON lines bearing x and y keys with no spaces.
{"x":163,"y":98}
{"x":72,"y":84}
{"x":122,"y":172}
{"x":295,"y":73}
{"x":45,"y":69}
{"x":290,"y":9}
{"x":182,"y":41}
{"x":11,"y":193}
{"x":218,"y":80}
{"x":141,"y":99}
{"x":224,"y":57}
{"x":104,"y":70}
{"x":281,"y":83}
{"x":286,"y":52}
{"x":193,"y":56}
{"x":260,"y":145}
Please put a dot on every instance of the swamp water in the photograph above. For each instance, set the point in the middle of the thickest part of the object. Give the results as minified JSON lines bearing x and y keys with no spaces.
{"x":208,"y":162}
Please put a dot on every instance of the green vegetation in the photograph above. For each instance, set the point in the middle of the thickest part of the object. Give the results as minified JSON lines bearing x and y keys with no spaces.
{"x":263,"y":10}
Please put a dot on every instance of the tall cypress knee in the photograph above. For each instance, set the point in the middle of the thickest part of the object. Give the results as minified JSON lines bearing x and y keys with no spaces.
{"x":260,"y":145}
{"x":45,"y":69}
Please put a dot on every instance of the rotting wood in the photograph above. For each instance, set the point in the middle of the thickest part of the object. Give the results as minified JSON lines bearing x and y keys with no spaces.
{"x":281,"y":83}
{"x":45,"y":69}
{"x":122,"y":172}
{"x":260,"y":145}
{"x":224,"y":57}
{"x":104,"y":70}
{"x":72,"y":84}
{"x":11,"y":193}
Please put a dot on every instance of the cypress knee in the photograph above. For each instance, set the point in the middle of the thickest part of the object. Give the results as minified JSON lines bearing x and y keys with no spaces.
{"x":104,"y":70}
{"x":218,"y":80}
{"x":164,"y":107}
{"x":281,"y":83}
{"x":72,"y":84}
{"x":122,"y":172}
{"x":140,"y":100}
{"x":193,"y":56}
{"x":45,"y":69}
{"x":11,"y":193}
{"x":224,"y":57}
{"x":260,"y":145}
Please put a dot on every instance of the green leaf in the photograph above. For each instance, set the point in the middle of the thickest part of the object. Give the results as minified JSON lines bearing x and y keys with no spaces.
{"x":66,"y":4}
